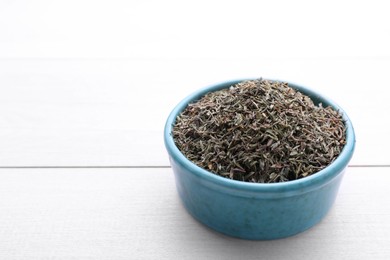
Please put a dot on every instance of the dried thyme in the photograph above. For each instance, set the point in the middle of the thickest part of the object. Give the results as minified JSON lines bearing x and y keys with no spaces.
{"x":259,"y":131}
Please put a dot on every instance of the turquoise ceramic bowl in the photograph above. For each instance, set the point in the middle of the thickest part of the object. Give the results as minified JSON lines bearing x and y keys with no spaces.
{"x":253,"y":210}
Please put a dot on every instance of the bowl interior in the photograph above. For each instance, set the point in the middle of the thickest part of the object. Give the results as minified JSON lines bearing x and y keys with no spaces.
{"x":319,"y":178}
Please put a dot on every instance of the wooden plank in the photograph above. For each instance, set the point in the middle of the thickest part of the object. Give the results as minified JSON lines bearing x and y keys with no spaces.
{"x":150,"y":29}
{"x":136,"y":213}
{"x":112,"y":112}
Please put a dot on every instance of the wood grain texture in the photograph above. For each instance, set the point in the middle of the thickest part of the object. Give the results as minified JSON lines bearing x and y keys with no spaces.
{"x":136,"y":214}
{"x":112,"y":112}
{"x":203,"y":29}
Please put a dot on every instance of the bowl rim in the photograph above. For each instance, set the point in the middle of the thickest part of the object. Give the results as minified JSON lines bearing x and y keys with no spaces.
{"x":318,"y":179}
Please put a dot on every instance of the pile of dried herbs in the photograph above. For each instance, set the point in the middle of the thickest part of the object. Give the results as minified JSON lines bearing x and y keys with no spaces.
{"x":259,"y":131}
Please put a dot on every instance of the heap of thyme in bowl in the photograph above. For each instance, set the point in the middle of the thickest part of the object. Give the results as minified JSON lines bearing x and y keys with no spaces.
{"x":259,"y":131}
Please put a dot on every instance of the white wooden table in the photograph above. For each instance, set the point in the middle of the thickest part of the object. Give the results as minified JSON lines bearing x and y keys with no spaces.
{"x":86,"y":86}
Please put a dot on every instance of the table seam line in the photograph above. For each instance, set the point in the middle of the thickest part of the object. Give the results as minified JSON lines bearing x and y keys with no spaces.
{"x":146,"y":167}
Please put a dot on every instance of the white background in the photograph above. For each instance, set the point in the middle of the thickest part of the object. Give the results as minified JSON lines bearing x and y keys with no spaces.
{"x":86,"y":85}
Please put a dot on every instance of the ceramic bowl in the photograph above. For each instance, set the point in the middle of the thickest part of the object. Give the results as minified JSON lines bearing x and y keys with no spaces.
{"x":256,"y":211}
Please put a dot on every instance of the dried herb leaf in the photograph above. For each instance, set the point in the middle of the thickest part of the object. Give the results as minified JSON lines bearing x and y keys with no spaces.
{"x":259,"y":131}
